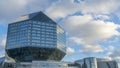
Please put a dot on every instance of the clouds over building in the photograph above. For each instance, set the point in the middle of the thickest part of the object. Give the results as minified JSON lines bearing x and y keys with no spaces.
{"x":86,"y":31}
{"x":87,"y":22}
{"x":10,"y":9}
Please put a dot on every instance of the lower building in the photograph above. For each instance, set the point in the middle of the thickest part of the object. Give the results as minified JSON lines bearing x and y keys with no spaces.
{"x":45,"y":64}
{"x":118,"y":65}
{"x":90,"y":62}
{"x":93,"y":62}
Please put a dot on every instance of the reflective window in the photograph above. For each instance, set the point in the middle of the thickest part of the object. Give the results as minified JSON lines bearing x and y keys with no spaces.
{"x":31,"y":33}
{"x":61,"y":41}
{"x":118,"y":65}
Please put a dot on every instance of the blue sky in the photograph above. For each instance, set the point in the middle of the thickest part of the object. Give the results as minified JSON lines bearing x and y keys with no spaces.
{"x":92,"y":26}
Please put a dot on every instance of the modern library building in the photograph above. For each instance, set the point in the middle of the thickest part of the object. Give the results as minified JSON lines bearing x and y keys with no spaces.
{"x":36,"y":41}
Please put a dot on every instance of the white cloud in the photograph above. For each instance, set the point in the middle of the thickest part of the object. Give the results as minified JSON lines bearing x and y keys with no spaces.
{"x":75,"y":40}
{"x":62,"y":8}
{"x":100,"y":7}
{"x":59,"y":8}
{"x":114,"y":40}
{"x":70,"y":51}
{"x":117,"y":59}
{"x":11,"y":9}
{"x":2,"y":56}
{"x":2,"y":45}
{"x":86,"y":31}
{"x":109,"y":58}
{"x":111,"y":48}
{"x":39,"y":5}
{"x":3,"y":40}
{"x":102,"y":17}
{"x":115,"y":54}
{"x":78,"y":20}
{"x":73,"y":23}
{"x":91,"y":48}
{"x":90,"y":30}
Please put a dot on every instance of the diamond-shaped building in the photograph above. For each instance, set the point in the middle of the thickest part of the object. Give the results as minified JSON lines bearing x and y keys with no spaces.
{"x":35,"y":37}
{"x":36,"y":41}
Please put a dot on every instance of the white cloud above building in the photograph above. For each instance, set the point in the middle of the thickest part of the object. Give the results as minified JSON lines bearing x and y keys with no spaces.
{"x":88,"y":29}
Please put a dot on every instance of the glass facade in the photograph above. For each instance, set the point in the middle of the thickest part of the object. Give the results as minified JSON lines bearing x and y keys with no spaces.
{"x":93,"y":62}
{"x":36,"y":37}
{"x":90,"y":62}
{"x":32,"y":33}
{"x":61,"y":41}
{"x":118,"y":64}
{"x":87,"y":63}
{"x":80,"y":63}
{"x":48,"y":64}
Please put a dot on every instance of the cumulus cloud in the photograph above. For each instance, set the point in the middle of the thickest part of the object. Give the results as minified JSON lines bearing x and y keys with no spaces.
{"x":54,"y":8}
{"x":90,"y":30}
{"x":86,"y":31}
{"x":62,"y":8}
{"x":110,"y":48}
{"x":10,"y":9}
{"x":75,"y":41}
{"x":59,"y":8}
{"x":102,"y":17}
{"x":2,"y":40}
{"x":115,"y":54}
{"x":91,"y":48}
{"x":70,"y":50}
{"x":2,"y":56}
{"x":100,"y":7}
{"x":2,"y":45}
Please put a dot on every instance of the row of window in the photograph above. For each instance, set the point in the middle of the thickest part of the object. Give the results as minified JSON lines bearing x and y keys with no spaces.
{"x":36,"y":45}
{"x":30,"y":43}
{"x":42,"y":39}
{"x":33,"y":29}
{"x":30,"y":23}
{"x":49,"y":65}
{"x":32,"y":32}
{"x":35,"y":40}
{"x":33,"y":26}
{"x":32,"y":38}
{"x":32,"y":35}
